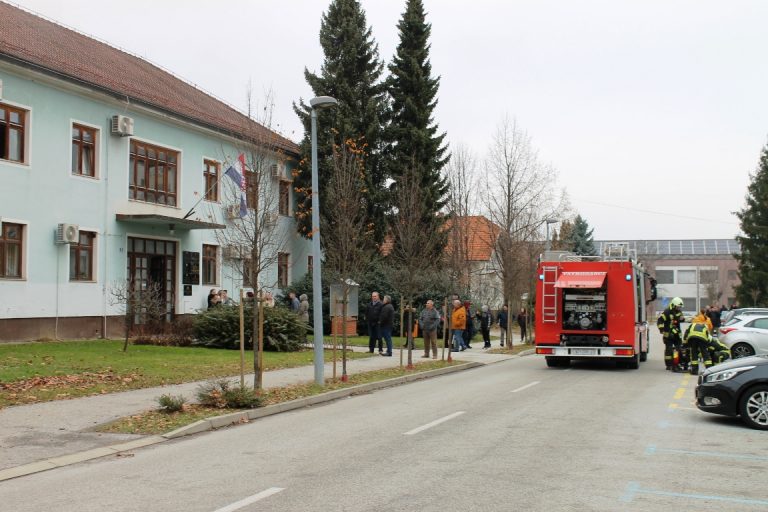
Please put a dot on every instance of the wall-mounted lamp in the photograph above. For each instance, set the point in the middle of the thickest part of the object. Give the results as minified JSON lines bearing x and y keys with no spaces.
{"x":172,"y":229}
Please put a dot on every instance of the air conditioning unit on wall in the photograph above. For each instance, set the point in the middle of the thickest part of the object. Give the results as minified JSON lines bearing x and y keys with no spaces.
{"x":232,"y":252}
{"x":67,"y":234}
{"x":233,"y":211}
{"x":270,"y":219}
{"x":122,"y":126}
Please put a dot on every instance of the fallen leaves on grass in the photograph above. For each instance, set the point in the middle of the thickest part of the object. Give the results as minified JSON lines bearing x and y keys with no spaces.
{"x":23,"y":391}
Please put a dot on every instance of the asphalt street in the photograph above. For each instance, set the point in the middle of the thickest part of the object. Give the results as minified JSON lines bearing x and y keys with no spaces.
{"x":514,"y":435}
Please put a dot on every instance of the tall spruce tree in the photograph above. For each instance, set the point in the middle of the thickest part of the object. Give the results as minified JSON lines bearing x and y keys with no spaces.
{"x":580,"y":238}
{"x":350,"y":73}
{"x":412,"y":137}
{"x":753,"y":260}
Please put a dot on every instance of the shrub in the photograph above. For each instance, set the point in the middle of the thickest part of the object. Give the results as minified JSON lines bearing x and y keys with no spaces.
{"x":226,"y":394}
{"x":169,"y":403}
{"x":220,"y":327}
{"x":179,"y":333}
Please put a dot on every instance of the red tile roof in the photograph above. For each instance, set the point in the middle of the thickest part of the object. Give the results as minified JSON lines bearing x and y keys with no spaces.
{"x":480,"y":233}
{"x":33,"y":41}
{"x":481,"y":236}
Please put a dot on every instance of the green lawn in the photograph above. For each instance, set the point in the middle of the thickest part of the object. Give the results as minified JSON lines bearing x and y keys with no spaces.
{"x":41,"y":371}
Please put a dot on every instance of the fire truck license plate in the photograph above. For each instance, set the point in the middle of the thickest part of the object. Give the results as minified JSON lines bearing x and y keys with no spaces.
{"x":582,"y":351}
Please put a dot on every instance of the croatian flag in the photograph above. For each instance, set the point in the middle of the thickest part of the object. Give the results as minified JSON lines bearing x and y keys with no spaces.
{"x":236,"y":171}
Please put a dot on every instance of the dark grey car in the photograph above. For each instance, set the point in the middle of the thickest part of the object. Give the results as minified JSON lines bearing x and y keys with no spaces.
{"x":738,"y":387}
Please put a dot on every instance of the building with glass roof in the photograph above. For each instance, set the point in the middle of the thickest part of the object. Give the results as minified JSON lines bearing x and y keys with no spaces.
{"x":701,"y":272}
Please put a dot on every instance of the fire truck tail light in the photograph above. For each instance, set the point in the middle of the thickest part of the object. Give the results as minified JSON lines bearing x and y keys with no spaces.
{"x":625,"y":352}
{"x":545,"y":351}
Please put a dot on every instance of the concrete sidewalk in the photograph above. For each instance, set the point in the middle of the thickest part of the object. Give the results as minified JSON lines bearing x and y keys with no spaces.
{"x":59,"y":430}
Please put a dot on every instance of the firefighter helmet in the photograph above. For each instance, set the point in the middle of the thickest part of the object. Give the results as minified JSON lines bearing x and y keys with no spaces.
{"x":677,"y":302}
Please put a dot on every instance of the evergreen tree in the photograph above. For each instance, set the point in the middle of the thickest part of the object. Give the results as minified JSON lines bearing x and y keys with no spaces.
{"x":350,"y":73}
{"x":753,"y":260}
{"x":580,"y":238}
{"x":412,"y":136}
{"x":562,"y":241}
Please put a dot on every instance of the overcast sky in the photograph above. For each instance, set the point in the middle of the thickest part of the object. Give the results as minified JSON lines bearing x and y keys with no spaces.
{"x":654,"y":112}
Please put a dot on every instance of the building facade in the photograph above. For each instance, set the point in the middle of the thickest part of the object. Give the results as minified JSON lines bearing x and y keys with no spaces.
{"x":112,"y":172}
{"x":701,"y":272}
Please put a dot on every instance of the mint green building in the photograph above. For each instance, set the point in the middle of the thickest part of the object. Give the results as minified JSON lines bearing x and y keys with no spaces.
{"x":112,"y":172}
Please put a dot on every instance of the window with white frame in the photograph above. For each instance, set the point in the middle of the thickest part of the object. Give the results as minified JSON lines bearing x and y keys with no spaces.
{"x":686,"y":277}
{"x":11,"y":246}
{"x":81,"y":257}
{"x":13,"y":127}
{"x":84,"y":150}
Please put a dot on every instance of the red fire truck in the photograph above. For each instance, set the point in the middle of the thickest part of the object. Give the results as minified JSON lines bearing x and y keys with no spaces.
{"x":592,"y":307}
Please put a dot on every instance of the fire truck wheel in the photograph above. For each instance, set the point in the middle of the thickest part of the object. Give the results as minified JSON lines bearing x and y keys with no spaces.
{"x":632,"y":364}
{"x":558,"y":362}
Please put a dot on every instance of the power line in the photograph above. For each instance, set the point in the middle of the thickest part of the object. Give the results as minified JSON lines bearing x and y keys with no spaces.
{"x":667,"y":214}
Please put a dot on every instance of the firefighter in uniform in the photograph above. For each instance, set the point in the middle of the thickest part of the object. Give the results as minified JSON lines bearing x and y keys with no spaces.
{"x":669,"y":325}
{"x":718,"y":351}
{"x":698,"y":338}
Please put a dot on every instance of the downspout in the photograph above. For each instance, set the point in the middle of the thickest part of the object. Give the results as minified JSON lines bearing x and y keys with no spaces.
{"x":58,"y":272}
{"x":104,"y":253}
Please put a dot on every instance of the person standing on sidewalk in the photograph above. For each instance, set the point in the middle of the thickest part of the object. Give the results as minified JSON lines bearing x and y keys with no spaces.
{"x":294,"y":302}
{"x":469,"y":327}
{"x":458,"y":324}
{"x":372,"y":314}
{"x":503,"y":321}
{"x":485,"y":325}
{"x":386,"y":319}
{"x":522,"y":321}
{"x":429,"y":320}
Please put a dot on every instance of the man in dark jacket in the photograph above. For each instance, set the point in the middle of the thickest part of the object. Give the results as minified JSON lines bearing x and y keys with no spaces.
{"x":386,"y":318}
{"x":372,"y":315}
{"x":502,"y":318}
{"x":429,"y":321}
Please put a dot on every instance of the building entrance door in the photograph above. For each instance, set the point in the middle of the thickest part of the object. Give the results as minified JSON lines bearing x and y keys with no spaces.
{"x":152,"y":266}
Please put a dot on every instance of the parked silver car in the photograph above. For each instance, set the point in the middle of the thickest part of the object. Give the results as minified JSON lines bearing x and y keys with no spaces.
{"x":727,"y":316}
{"x":746,"y":335}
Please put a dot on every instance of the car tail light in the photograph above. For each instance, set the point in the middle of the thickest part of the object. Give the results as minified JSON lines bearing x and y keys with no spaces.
{"x":625,"y":352}
{"x":726,"y":330}
{"x":545,"y":351}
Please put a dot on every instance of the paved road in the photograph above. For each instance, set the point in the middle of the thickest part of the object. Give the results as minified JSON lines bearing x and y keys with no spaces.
{"x":510,"y":436}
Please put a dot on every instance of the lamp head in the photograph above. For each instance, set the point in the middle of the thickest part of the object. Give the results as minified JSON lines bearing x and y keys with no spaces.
{"x":321,"y":102}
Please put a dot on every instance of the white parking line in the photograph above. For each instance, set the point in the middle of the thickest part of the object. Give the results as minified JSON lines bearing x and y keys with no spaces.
{"x":526,"y":386}
{"x":250,"y":499}
{"x":432,"y":424}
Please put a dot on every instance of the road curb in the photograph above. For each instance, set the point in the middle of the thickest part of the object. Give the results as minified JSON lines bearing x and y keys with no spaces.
{"x":223,"y":421}
{"x":262,"y":412}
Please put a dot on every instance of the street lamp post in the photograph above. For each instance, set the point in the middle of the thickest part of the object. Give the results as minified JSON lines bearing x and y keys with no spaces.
{"x":317,"y":288}
{"x":549,"y":221}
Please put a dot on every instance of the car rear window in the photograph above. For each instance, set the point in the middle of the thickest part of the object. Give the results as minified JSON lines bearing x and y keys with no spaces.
{"x":732,"y":321}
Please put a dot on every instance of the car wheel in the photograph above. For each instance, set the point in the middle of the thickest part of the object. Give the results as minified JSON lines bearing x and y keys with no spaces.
{"x":753,"y":407}
{"x":742,"y":350}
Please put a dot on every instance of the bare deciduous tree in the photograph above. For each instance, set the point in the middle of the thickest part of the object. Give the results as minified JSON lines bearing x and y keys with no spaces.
{"x":415,"y":258}
{"x":140,"y":304}
{"x":520,"y":196}
{"x":461,"y":204}
{"x":251,"y":244}
{"x":348,"y":241}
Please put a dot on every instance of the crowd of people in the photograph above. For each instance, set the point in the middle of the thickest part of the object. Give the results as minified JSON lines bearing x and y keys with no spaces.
{"x":464,"y":322}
